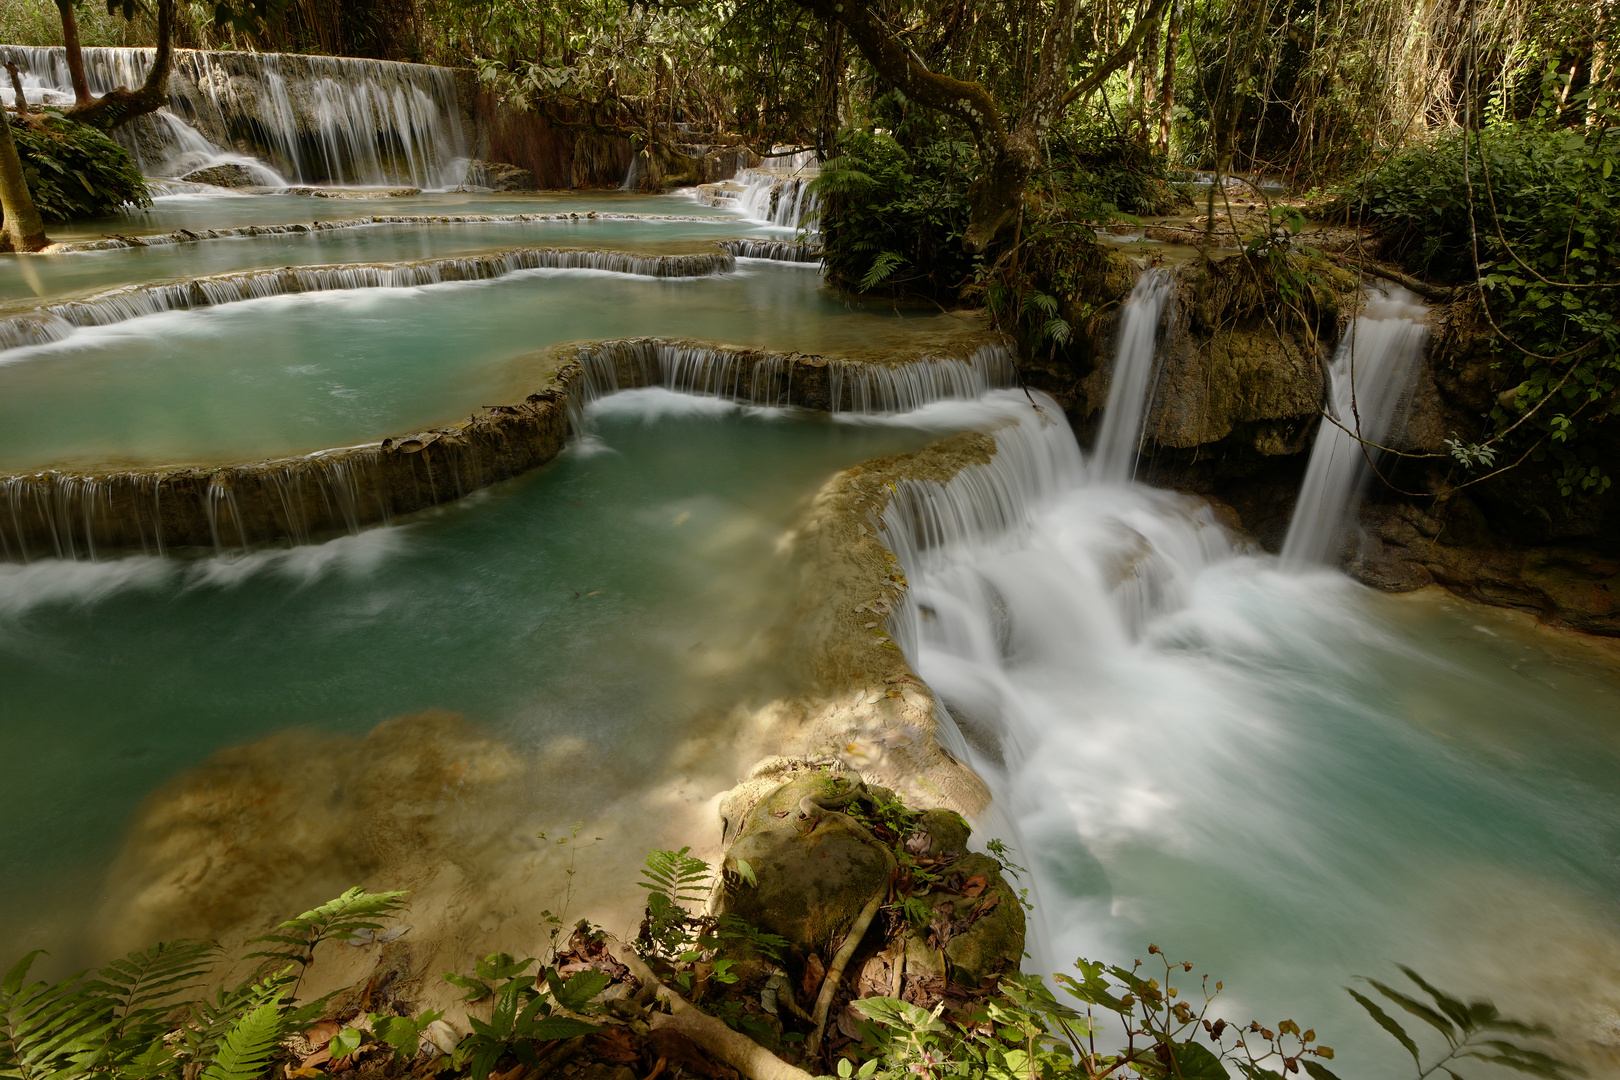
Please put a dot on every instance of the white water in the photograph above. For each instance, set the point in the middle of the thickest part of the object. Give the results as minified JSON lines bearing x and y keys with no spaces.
{"x":774,"y":198}
{"x":307,"y":119}
{"x":1119,"y":440}
{"x":1370,"y":375}
{"x":1277,"y":775}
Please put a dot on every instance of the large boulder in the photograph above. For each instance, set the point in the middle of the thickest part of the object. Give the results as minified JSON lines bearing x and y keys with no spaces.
{"x":227,"y":174}
{"x":499,"y":176}
{"x":819,"y":845}
{"x":814,"y":875}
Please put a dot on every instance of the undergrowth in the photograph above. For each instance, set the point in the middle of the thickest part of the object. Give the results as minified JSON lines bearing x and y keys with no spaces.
{"x":1526,"y":217}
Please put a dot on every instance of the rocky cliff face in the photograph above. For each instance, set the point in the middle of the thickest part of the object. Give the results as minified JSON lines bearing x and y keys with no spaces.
{"x":1235,"y":409}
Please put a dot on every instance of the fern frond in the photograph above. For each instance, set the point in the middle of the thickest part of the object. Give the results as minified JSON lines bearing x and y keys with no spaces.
{"x":355,"y":910}
{"x":676,"y":876}
{"x":212,"y":1020}
{"x":49,"y":1029}
{"x":148,"y":982}
{"x":245,"y":1052}
{"x":881,"y":269}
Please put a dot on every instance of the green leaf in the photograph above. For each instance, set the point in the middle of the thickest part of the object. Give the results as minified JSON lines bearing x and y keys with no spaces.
{"x":1317,"y":1070}
{"x":1418,"y":1009}
{"x":575,"y":995}
{"x":345,"y":1042}
{"x":559,"y":1027}
{"x":246,"y":1051}
{"x":1194,"y":1061}
{"x":1385,"y":1021}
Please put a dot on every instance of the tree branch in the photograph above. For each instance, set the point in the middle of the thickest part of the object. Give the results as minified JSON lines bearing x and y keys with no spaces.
{"x":1122,"y":55}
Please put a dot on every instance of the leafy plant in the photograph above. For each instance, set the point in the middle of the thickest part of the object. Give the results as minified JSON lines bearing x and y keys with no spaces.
{"x":893,"y":216}
{"x":341,"y":917}
{"x":1024,"y":1031}
{"x":673,"y":879}
{"x":245,"y":1052}
{"x":73,"y":170}
{"x":521,"y":1013}
{"x":1472,"y":1030}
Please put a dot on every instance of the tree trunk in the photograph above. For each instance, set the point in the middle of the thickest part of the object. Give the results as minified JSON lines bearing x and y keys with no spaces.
{"x":1167,"y":88}
{"x":17,"y":89}
{"x":75,"y":55}
{"x":119,"y":106}
{"x":22,"y":230}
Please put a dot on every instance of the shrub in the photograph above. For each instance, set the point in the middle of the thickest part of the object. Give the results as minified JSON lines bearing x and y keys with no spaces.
{"x":75,"y":171}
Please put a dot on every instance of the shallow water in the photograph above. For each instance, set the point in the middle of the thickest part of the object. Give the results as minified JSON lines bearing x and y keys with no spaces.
{"x":624,"y":596}
{"x":197,"y":212}
{"x":298,"y":373}
{"x":46,"y":278}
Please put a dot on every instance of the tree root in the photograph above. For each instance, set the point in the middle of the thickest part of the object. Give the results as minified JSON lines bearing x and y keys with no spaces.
{"x":835,"y":972}
{"x":1422,"y":288}
{"x":709,"y":1034}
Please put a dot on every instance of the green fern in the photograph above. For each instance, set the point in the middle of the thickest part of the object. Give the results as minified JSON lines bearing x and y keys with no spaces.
{"x":673,"y":879}
{"x":145,"y":984}
{"x":678,"y":877}
{"x":882,"y":268}
{"x":211,"y":1021}
{"x":350,"y":913}
{"x":55,"y":1030}
{"x":245,"y":1052}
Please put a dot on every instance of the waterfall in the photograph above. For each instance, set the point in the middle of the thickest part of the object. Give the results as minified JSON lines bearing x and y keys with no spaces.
{"x":771,"y":198}
{"x":1032,"y":589}
{"x":299,"y":500}
{"x":53,"y":322}
{"x":779,"y":380}
{"x":774,"y":250}
{"x":1369,"y":378}
{"x":307,"y":119}
{"x":1119,"y":440}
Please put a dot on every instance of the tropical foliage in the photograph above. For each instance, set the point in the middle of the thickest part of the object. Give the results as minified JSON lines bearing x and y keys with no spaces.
{"x":75,"y":171}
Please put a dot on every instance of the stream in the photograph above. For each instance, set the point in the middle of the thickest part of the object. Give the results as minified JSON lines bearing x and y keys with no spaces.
{"x":1261,"y":767}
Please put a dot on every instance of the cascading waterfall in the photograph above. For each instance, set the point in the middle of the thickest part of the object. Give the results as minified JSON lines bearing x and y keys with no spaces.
{"x":54,"y":322}
{"x":778,"y":380}
{"x":1369,"y":378}
{"x":774,"y":199}
{"x":1119,"y":440}
{"x":298,"y":500}
{"x":308,"y":119}
{"x":774,"y":250}
{"x":1031,"y":587}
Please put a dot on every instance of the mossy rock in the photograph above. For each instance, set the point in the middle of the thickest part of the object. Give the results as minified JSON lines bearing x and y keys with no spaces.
{"x":988,"y":937}
{"x":813,"y":877}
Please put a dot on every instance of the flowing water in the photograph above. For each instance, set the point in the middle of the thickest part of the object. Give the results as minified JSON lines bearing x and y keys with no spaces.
{"x":304,"y":119}
{"x":1371,"y":371}
{"x":1119,"y":439}
{"x":1283,"y":777}
{"x":1259,"y":766}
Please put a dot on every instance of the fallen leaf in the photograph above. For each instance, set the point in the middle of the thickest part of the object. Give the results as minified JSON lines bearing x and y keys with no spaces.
{"x":975,"y":885}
